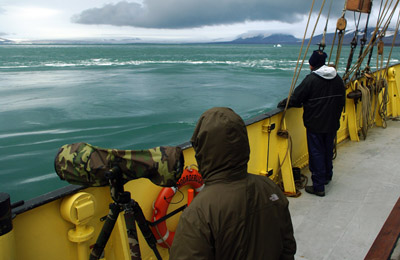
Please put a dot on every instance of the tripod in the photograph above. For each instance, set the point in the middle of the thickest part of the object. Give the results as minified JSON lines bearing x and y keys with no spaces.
{"x":133,"y":213}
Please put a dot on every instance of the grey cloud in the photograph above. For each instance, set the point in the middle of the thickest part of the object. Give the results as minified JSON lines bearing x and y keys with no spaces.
{"x":179,"y":14}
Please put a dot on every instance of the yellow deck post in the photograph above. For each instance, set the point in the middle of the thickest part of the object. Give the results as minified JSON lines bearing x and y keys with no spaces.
{"x":393,"y":92}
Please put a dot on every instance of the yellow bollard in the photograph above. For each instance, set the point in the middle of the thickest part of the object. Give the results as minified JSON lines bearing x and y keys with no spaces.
{"x":79,"y":210}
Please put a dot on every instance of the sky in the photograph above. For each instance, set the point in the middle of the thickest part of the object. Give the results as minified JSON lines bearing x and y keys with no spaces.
{"x":159,"y":20}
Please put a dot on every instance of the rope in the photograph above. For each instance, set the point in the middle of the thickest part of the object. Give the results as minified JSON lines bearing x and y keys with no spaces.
{"x":373,"y":40}
{"x":385,"y":100}
{"x":333,"y":43}
{"x":353,"y":46}
{"x":384,"y":29}
{"x":380,"y":20}
{"x":366,"y":110}
{"x":393,"y":42}
{"x":322,"y":44}
{"x":296,"y":75}
{"x":169,"y":199}
{"x":363,"y":41}
{"x":372,"y":86}
{"x":339,"y":50}
{"x":278,"y":176}
{"x":367,"y":116}
{"x":340,"y":40}
{"x":297,"y":64}
{"x":382,"y":82}
{"x":308,"y":46}
{"x":298,"y":70}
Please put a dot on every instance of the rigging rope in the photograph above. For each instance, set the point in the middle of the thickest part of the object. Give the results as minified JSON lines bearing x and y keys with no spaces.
{"x":333,"y":43}
{"x":381,"y":83}
{"x":340,"y":26}
{"x":374,"y":36}
{"x":366,"y":109}
{"x":323,"y":42}
{"x":283,"y":132}
{"x":353,"y":46}
{"x":367,"y":117}
{"x":297,"y":71}
{"x":384,"y":28}
{"x":362,"y":42}
{"x":380,"y":21}
{"x":340,"y":42}
{"x":393,"y":41}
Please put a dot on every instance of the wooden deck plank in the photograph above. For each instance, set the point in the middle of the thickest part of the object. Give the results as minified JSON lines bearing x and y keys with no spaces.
{"x":385,"y":242}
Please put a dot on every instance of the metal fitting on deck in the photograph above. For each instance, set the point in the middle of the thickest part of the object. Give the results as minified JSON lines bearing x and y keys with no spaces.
{"x":392,"y":74}
{"x":79,"y":209}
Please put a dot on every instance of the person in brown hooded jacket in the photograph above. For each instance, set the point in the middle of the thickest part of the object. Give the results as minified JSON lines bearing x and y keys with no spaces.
{"x":237,"y":215}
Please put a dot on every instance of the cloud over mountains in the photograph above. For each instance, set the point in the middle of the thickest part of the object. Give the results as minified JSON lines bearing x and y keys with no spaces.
{"x":180,"y":14}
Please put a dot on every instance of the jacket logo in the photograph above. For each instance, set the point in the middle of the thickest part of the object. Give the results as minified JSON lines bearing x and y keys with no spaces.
{"x":274,"y":197}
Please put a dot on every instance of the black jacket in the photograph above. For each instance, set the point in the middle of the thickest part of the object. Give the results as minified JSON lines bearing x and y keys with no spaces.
{"x":322,"y":94}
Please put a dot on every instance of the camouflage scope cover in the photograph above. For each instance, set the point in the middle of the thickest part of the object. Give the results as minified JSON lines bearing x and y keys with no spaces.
{"x":86,"y":165}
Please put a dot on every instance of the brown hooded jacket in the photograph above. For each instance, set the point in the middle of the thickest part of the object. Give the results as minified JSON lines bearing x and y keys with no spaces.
{"x":237,"y":215}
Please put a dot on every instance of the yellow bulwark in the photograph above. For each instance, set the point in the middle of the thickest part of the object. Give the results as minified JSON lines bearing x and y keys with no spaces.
{"x":65,"y":224}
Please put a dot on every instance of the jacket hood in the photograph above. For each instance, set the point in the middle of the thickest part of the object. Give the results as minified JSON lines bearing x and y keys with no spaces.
{"x":326,"y":72}
{"x":221,"y":145}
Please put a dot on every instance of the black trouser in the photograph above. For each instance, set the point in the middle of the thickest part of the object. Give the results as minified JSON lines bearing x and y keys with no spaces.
{"x":320,"y":154}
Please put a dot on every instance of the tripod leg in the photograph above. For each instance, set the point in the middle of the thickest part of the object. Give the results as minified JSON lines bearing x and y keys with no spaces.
{"x":132,"y":235}
{"x":105,"y":232}
{"x":146,"y":231}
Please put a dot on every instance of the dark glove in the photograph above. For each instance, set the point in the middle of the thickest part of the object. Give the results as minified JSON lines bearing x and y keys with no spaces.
{"x":282,"y":103}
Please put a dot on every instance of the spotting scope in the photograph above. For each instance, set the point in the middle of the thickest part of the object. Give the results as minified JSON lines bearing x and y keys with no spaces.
{"x":87,"y":165}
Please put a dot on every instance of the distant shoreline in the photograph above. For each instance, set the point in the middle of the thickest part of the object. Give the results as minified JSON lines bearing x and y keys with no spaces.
{"x":283,"y":39}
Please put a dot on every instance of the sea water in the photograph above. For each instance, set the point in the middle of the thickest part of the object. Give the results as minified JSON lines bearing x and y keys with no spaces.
{"x":124,"y":97}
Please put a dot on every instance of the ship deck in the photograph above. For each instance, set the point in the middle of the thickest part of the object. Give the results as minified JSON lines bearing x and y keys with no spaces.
{"x":365,"y":187}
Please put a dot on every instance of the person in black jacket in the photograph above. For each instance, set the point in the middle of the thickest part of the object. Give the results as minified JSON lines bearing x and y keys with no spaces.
{"x":322,"y":95}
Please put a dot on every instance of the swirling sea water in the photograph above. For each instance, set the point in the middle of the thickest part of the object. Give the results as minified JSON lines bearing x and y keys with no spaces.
{"x":123,"y":97}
